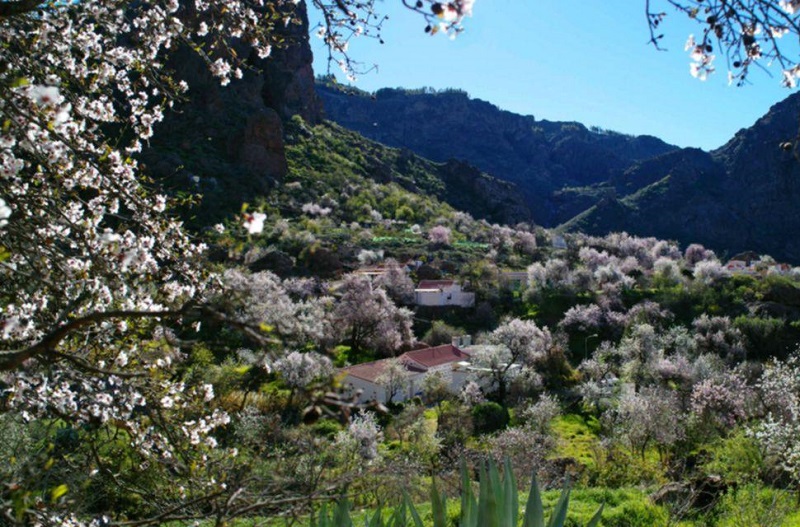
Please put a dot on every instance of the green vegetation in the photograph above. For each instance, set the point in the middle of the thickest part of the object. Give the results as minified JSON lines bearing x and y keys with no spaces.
{"x":497,"y":505}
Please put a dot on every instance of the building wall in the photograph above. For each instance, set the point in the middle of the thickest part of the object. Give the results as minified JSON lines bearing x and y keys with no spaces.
{"x":373,"y":392}
{"x":426,"y":297}
{"x":369,"y":391}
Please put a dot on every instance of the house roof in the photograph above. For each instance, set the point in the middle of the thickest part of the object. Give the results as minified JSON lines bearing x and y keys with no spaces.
{"x":436,"y":356}
{"x":416,"y":361}
{"x":435,"y":284}
{"x":372,"y":269}
{"x":370,"y":371}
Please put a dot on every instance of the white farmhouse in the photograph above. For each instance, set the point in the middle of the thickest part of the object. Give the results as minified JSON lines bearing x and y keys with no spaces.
{"x":442,"y":293}
{"x":447,"y":361}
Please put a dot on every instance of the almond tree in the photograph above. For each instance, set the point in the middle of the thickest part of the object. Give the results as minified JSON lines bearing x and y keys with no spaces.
{"x":95,"y":273}
{"x":366,"y":318}
{"x":394,"y":378}
{"x":397,"y":282}
{"x":652,"y":416}
{"x":779,"y":432}
{"x":514,"y":349}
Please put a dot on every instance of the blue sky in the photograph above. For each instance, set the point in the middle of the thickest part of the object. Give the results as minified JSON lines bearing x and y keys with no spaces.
{"x":569,"y":60}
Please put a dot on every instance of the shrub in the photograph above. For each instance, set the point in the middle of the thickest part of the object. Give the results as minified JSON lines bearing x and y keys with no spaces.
{"x":737,"y":458}
{"x":754,"y":506}
{"x":441,"y":333}
{"x":327,"y":428}
{"x":489,"y":417}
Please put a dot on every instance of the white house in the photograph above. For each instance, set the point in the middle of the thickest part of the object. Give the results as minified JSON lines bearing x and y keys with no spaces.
{"x":442,"y":293}
{"x":447,"y":360}
{"x":754,"y":267}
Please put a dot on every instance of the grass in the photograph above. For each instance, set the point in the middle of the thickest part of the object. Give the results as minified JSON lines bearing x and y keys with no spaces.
{"x":576,"y":437}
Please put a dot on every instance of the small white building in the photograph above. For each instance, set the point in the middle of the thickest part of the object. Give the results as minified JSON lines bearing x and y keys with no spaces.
{"x":755,"y":267}
{"x":442,"y":293}
{"x":446,"y":360}
{"x":559,"y":242}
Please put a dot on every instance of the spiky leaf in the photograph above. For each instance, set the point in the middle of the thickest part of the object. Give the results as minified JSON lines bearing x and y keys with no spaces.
{"x":596,"y":518}
{"x":438,"y":506}
{"x":559,"y":516}
{"x":534,"y":511}
{"x":510,"y":495}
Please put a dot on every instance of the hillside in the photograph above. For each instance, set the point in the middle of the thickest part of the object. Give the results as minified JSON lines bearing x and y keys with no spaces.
{"x":263,"y":313}
{"x":539,"y":156}
{"x":597,"y":181}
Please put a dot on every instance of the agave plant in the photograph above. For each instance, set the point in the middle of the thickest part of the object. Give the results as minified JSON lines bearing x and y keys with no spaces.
{"x":495,"y":506}
{"x":497,"y":503}
{"x":339,"y":516}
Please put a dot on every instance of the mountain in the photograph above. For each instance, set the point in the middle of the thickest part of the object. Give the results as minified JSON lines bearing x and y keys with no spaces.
{"x":231,"y":144}
{"x":540,"y":156}
{"x":330,"y":157}
{"x":741,"y":196}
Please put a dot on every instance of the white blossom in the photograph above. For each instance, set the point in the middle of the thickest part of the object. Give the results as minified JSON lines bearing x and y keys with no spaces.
{"x":5,"y":213}
{"x":254,"y":223}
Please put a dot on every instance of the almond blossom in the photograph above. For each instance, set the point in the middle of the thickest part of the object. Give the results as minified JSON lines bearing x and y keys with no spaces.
{"x":98,"y":276}
{"x":254,"y":223}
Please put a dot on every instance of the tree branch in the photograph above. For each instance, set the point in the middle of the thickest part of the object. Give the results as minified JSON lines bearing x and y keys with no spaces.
{"x":10,"y":360}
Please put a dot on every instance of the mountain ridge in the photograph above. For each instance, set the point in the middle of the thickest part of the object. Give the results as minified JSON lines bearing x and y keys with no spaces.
{"x":737,"y":197}
{"x":540,"y":156}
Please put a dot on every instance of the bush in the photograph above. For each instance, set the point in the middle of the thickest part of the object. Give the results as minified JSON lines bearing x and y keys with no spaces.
{"x":327,"y":428}
{"x":489,"y":417}
{"x":754,"y":506}
{"x":736,"y":459}
{"x":616,"y":466}
{"x":441,"y":333}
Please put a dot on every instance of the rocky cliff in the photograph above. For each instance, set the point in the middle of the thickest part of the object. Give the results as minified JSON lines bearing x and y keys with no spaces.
{"x":228,"y":142}
{"x":742,"y":196}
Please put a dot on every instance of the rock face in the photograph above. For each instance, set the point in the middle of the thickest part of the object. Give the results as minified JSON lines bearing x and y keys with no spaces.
{"x":741,"y":196}
{"x":288,"y":74}
{"x":541,"y":157}
{"x":228,"y":141}
{"x":473,"y":191}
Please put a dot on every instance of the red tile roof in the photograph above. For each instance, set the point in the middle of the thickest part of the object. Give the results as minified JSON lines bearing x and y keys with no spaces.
{"x":430,"y":357}
{"x":370,"y":371}
{"x":416,"y":361}
{"x":435,"y":284}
